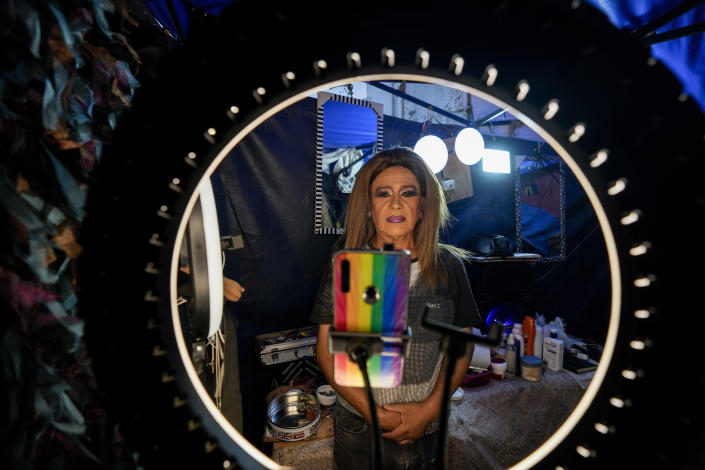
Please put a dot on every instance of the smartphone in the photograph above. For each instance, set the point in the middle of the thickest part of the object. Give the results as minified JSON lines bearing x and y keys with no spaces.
{"x":371,"y":296}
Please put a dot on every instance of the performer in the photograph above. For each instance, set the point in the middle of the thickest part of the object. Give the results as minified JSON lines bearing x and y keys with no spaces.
{"x":397,"y":200}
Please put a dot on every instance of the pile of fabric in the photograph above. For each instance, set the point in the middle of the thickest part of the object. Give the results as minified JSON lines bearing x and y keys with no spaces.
{"x":68,"y":70}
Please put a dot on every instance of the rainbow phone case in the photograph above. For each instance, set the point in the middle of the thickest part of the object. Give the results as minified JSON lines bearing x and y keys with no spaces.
{"x":388,"y":272}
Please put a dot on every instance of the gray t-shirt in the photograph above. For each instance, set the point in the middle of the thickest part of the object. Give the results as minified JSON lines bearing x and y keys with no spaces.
{"x":452,"y":303}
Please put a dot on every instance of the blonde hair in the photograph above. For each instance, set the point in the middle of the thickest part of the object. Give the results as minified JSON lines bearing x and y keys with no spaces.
{"x":360,"y":229}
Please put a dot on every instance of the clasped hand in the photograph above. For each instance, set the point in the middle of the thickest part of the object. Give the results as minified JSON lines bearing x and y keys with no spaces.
{"x":404,"y":423}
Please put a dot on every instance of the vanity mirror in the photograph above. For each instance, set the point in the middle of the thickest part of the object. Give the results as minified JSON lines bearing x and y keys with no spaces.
{"x":168,"y":412}
{"x":348,"y":132}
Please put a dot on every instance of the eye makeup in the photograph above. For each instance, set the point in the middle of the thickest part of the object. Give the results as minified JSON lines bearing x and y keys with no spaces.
{"x":407,"y":191}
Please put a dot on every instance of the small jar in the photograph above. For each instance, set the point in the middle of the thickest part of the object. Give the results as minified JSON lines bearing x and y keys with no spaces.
{"x":531,"y":367}
{"x":498,"y":366}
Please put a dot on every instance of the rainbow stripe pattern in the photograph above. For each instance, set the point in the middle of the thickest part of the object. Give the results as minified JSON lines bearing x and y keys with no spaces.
{"x":390,"y":274}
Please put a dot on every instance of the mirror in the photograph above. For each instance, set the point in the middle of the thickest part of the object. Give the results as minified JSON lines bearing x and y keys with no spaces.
{"x":264,"y":199}
{"x":348,"y":132}
{"x":540,"y":190}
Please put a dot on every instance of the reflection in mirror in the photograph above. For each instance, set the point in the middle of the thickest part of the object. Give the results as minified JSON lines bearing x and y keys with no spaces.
{"x":348,"y":132}
{"x":556,"y":272}
{"x":541,"y":204}
{"x":201,"y":291}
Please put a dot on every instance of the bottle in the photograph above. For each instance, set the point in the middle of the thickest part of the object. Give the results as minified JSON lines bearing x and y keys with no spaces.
{"x":510,"y":356}
{"x":528,"y":331}
{"x":518,"y":355}
{"x":553,"y":351}
{"x":519,"y":339}
{"x":538,"y":342}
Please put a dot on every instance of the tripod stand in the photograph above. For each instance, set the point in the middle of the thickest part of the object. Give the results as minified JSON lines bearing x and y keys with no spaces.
{"x":360,"y":347}
{"x":454,"y":344}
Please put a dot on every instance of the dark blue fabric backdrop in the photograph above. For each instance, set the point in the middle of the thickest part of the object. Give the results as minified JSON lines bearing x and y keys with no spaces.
{"x":684,"y":56}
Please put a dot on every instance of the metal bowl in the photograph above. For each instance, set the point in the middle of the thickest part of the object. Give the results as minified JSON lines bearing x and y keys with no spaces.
{"x":294,"y":415}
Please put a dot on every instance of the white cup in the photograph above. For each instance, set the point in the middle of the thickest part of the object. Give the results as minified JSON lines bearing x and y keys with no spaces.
{"x":325,"y":395}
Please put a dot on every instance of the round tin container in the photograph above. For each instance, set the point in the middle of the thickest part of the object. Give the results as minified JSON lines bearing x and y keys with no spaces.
{"x":293,"y":415}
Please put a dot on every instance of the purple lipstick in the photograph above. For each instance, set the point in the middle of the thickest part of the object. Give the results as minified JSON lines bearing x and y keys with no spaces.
{"x":396,"y":219}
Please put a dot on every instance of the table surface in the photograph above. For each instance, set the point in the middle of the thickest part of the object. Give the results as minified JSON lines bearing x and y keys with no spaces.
{"x":493,"y":426}
{"x":499,"y":424}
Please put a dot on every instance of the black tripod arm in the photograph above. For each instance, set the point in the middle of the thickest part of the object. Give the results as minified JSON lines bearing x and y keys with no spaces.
{"x":455,"y":333}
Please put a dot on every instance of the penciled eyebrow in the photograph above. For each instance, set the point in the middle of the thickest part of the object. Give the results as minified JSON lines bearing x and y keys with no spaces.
{"x":403,"y":188}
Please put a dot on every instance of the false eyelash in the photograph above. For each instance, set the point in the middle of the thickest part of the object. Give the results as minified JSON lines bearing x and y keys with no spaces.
{"x":408,"y":193}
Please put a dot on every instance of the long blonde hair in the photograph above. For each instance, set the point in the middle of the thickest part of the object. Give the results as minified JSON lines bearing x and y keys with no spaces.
{"x":360,"y":229}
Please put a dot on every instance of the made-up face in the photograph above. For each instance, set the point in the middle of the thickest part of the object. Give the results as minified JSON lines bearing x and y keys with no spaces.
{"x":396,"y":203}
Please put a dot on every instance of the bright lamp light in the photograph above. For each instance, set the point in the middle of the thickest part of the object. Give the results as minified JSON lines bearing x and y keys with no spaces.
{"x":496,"y":161}
{"x":469,"y":146}
{"x":434,"y":152}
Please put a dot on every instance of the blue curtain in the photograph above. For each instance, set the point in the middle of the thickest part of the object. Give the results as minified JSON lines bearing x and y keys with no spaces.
{"x":179,"y":21}
{"x":348,"y":125}
{"x":685,"y":57}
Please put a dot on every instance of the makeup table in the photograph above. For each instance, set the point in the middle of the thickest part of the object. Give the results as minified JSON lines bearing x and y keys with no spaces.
{"x":493,"y":426}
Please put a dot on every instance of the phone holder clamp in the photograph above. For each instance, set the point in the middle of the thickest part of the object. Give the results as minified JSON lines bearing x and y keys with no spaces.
{"x":347,"y":342}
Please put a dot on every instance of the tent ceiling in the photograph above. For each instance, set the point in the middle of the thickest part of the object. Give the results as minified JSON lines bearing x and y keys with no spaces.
{"x":685,"y":56}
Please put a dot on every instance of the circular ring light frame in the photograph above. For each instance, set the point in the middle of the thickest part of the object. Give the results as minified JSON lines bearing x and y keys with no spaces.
{"x":613,"y":258}
{"x":167,"y":413}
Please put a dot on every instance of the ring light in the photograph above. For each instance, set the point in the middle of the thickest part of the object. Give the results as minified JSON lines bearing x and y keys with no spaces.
{"x":185,"y":128}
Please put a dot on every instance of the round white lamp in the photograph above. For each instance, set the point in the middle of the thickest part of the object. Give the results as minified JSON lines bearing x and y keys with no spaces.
{"x":469,"y":146}
{"x":434,"y":152}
